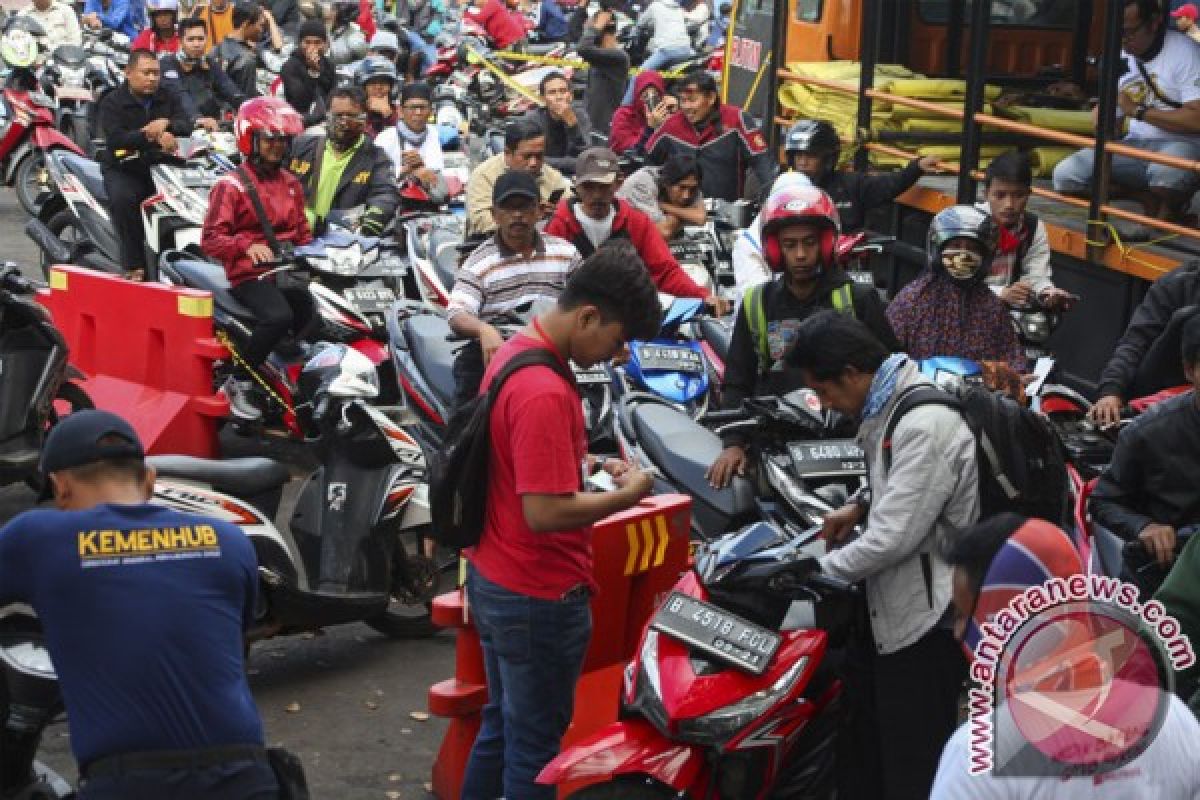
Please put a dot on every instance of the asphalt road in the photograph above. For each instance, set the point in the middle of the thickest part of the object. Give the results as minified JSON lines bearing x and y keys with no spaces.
{"x":343,"y":699}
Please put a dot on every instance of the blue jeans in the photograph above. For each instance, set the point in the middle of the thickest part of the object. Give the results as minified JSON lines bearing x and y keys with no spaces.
{"x":1074,"y":174}
{"x":532,"y":650}
{"x":428,"y":52}
{"x":659,"y":58}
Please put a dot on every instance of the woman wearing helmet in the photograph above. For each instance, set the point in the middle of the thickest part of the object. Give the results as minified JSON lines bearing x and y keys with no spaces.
{"x":377,"y":78}
{"x":949,"y":309}
{"x":813,"y":148}
{"x":799,"y":235}
{"x":161,"y":36}
{"x":235,"y":235}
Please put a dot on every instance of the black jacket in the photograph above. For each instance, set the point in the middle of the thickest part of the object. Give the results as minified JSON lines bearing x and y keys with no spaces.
{"x":744,"y":376}
{"x":563,"y":144}
{"x":303,"y":91}
{"x":856,"y":193}
{"x":368,"y":180}
{"x":287,"y":15}
{"x":240,"y":62}
{"x":206,"y":91}
{"x":726,"y":145}
{"x":1136,"y":367}
{"x":1153,"y":474}
{"x":122,"y":116}
{"x":607,"y":76}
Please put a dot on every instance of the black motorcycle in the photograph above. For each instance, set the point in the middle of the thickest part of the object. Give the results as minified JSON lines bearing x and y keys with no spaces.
{"x":37,"y":386}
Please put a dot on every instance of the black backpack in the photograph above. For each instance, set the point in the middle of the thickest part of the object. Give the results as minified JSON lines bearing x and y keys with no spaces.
{"x":458,"y":472}
{"x":1020,"y":458}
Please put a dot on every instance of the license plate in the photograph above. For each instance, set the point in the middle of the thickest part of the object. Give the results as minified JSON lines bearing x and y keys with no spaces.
{"x":73,"y":93}
{"x":717,"y":633}
{"x":368,"y":299}
{"x":671,"y":359}
{"x":827,"y":458}
{"x":590,"y":377}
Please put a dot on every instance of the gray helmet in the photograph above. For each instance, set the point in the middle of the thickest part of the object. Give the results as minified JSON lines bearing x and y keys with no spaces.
{"x":374,"y":68}
{"x":962,"y":222}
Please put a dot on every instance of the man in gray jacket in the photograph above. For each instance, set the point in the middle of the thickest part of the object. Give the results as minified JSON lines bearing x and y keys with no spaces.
{"x":923,"y":490}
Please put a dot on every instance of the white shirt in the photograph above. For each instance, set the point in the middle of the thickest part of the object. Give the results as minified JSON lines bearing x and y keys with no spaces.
{"x":60,"y":23}
{"x":1176,"y":73}
{"x":431,"y":150}
{"x":597,"y":230}
{"x":1169,"y":769}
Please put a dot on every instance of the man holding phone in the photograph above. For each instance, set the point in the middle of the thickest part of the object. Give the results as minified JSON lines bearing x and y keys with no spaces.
{"x":524,"y":151}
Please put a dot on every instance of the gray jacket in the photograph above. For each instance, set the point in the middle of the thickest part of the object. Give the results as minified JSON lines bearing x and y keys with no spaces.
{"x":929,"y":494}
{"x":668,"y":26}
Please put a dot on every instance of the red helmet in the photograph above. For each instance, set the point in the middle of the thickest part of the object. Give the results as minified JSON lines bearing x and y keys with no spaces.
{"x":265,"y":115}
{"x":798,"y":205}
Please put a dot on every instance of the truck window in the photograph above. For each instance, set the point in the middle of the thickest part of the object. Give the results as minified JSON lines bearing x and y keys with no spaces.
{"x":809,"y":10}
{"x":1008,"y":13}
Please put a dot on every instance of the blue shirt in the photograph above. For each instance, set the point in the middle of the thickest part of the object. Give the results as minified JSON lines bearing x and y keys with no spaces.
{"x":121,"y":15}
{"x":143,"y":610}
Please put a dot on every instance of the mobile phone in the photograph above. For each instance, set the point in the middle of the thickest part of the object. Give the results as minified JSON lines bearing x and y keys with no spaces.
{"x":556,"y":195}
{"x":652,"y":100}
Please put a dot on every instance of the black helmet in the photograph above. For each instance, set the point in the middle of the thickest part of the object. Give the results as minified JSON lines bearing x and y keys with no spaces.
{"x":814,"y":136}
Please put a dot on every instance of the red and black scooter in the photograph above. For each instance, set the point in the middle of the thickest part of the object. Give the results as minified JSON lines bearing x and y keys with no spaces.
{"x":732,"y":693}
{"x":29,"y":114}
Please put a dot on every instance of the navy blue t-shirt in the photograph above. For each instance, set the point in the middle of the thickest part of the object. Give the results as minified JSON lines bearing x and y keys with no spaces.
{"x":143,"y":610}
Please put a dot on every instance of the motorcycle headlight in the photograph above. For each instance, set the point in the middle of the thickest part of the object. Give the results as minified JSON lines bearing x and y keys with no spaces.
{"x":715,"y":728}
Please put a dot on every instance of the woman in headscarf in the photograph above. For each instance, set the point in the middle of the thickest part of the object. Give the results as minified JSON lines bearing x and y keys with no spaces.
{"x":633,"y":123}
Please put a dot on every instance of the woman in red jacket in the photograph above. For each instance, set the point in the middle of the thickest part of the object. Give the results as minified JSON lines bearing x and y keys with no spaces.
{"x":235,"y":235}
{"x":633,"y":124}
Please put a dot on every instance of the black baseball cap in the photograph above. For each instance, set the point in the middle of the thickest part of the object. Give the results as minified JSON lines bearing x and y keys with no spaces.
{"x":514,"y":183}
{"x":75,"y":441}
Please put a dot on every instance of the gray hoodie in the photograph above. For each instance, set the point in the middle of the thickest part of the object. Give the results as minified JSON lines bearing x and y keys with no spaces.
{"x":665,"y":18}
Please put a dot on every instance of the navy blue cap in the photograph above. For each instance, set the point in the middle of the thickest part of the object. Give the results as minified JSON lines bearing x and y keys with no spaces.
{"x":75,"y":441}
{"x":514,"y":183}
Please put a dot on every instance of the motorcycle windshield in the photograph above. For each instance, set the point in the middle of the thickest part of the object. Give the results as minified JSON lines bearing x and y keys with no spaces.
{"x":755,"y":541}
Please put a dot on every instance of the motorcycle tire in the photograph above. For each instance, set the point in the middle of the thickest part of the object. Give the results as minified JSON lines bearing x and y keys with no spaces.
{"x":404,"y":621}
{"x":624,"y":789}
{"x":25,"y":180}
{"x":70,"y":398}
{"x":60,"y":224}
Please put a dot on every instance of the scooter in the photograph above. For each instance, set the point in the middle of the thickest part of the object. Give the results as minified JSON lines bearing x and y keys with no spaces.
{"x":733,"y":692}
{"x":32,"y":701}
{"x":671,"y":365}
{"x":39,"y":384}
{"x":30,"y":115}
{"x":357,"y":545}
{"x":65,"y":77}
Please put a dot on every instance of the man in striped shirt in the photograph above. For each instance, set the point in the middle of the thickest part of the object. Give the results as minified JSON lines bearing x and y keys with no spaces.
{"x":515,"y":268}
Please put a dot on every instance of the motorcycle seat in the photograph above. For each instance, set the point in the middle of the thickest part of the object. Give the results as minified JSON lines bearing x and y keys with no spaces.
{"x":88,"y":172}
{"x":211,"y":278}
{"x":717,"y":332}
{"x":443,"y":254}
{"x":433,"y":354}
{"x":241,"y":477}
{"x":683,"y":449}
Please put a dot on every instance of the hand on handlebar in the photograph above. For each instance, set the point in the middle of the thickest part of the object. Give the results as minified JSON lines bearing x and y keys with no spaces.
{"x":838,"y":525}
{"x":1018,"y":295}
{"x":1107,"y":411}
{"x":1055,"y":299}
{"x":259,"y":254}
{"x":718,"y":305}
{"x":1159,"y":541}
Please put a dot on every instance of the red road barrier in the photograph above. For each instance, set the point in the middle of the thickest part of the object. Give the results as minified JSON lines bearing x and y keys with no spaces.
{"x":639,"y":554}
{"x":147,"y":350}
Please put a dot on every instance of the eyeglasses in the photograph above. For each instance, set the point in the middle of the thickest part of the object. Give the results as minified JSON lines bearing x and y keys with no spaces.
{"x":348,"y":117}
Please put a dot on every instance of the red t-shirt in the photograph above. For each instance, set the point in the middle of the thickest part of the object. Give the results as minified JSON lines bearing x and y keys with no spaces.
{"x":539,"y":444}
{"x":147,"y":40}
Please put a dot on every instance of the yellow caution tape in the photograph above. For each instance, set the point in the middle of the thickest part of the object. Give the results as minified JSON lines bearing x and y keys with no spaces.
{"x":1126,"y":251}
{"x":512,"y":55}
{"x":504,"y":77}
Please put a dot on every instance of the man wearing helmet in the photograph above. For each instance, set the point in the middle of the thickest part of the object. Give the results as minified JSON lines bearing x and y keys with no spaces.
{"x":237,"y":236}
{"x":139,"y":121}
{"x":197,"y":80}
{"x":161,"y":36}
{"x":58,"y":20}
{"x":377,"y":78}
{"x":949,"y":310}
{"x":813,"y":148}
{"x":308,"y":74}
{"x":344,"y":169}
{"x":799,"y":233}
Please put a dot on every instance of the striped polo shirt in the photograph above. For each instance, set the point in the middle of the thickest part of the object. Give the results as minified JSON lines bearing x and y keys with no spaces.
{"x":495,"y":280}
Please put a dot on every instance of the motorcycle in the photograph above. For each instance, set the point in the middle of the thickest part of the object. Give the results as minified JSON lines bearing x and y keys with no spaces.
{"x":32,"y":701}
{"x":65,"y":78}
{"x":672,"y":366}
{"x":733,"y":691}
{"x":29,"y":115}
{"x":357,"y":546}
{"x":39,"y":384}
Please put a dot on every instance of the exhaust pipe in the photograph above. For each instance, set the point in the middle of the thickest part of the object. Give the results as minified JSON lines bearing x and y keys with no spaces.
{"x":56,"y":250}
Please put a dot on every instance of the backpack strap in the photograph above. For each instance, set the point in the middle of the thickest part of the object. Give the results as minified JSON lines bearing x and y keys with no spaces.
{"x":252,"y":192}
{"x":923,"y":395}
{"x":843,"y":299}
{"x":756,"y":321}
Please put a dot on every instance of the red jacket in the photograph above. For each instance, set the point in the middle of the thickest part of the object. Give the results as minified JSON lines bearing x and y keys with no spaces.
{"x":631,"y":224}
{"x":629,"y":128}
{"x":503,"y":25}
{"x":231,"y":226}
{"x":147,"y":40}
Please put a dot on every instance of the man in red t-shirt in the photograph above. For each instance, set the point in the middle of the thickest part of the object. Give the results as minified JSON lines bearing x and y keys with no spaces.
{"x":530,"y":577}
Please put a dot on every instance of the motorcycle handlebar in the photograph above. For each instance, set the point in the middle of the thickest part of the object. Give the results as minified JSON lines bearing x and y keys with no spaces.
{"x":1136,"y":555}
{"x":13,"y":281}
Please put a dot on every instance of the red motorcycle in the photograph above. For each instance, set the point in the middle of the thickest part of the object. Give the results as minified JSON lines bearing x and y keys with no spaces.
{"x":732,"y":694}
{"x":30,"y":114}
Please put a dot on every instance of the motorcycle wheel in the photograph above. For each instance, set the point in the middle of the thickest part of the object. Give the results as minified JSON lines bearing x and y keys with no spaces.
{"x":70,"y":398}
{"x":409,"y":615}
{"x":624,"y":789}
{"x":77,"y":133}
{"x":64,"y":226}
{"x":26,"y":180}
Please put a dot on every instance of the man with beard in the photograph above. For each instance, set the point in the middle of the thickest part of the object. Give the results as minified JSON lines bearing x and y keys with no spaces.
{"x":344,"y":169}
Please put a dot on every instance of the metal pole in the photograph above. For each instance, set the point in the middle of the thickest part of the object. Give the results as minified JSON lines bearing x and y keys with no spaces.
{"x":1079,"y":41}
{"x":868,"y":54}
{"x":954,"y":29}
{"x":778,"y":57}
{"x":1106,"y":122}
{"x":981,"y":17}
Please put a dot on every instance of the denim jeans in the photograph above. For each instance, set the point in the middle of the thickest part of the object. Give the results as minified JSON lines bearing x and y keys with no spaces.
{"x":532,"y":650}
{"x":1074,"y":174}
{"x":428,"y":52}
{"x":659,"y":58}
